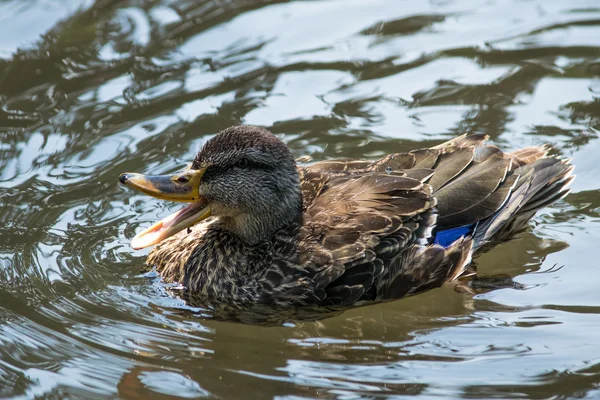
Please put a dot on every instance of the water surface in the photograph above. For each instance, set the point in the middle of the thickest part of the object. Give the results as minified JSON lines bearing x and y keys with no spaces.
{"x":92,"y":89}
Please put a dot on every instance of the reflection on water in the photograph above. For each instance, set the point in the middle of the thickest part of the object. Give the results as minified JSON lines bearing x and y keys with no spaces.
{"x":91,"y":89}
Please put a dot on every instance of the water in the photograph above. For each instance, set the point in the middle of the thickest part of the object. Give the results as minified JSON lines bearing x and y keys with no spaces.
{"x":92,"y":89}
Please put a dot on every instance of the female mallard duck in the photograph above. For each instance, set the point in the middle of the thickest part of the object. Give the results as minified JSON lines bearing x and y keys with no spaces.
{"x":337,"y":233}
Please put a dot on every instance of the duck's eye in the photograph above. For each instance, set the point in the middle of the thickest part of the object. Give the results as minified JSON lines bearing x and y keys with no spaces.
{"x":183,"y":179}
{"x":243,"y":163}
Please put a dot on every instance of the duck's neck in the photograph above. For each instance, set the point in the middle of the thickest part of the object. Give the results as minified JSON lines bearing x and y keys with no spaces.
{"x":266,"y":219}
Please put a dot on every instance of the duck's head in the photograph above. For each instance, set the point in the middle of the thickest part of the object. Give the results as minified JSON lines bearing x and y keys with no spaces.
{"x":244,"y":176}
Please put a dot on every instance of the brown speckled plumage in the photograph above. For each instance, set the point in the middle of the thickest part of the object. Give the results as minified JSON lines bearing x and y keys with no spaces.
{"x":361,"y":231}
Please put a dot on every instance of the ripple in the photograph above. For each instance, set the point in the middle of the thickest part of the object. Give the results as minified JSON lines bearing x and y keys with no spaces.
{"x":100,"y":88}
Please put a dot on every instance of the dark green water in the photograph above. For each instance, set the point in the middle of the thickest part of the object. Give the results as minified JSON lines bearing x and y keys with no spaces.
{"x":91,"y":89}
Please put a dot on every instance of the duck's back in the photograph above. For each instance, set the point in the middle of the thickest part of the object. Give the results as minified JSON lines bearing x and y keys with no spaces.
{"x":409,"y":221}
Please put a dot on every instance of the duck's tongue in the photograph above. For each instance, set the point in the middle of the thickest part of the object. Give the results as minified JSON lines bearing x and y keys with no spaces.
{"x":172,"y":224}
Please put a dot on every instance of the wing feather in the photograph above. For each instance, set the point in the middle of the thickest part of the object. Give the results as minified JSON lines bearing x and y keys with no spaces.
{"x":368,"y":227}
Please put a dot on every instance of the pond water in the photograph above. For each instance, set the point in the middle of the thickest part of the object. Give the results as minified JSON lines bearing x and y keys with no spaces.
{"x":92,"y":89}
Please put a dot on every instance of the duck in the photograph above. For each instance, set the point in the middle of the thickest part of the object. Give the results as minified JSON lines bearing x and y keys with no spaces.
{"x":261,"y":229}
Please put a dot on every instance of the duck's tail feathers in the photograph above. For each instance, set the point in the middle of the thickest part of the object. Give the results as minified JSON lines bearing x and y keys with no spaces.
{"x":540,"y":183}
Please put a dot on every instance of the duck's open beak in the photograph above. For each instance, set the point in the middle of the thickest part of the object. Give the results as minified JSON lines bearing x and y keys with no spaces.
{"x":181,"y":187}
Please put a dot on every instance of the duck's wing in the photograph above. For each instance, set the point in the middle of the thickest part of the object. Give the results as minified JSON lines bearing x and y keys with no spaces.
{"x":371,"y":229}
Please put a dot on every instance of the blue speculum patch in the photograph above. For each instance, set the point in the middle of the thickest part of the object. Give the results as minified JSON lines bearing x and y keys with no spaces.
{"x":449,"y":236}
